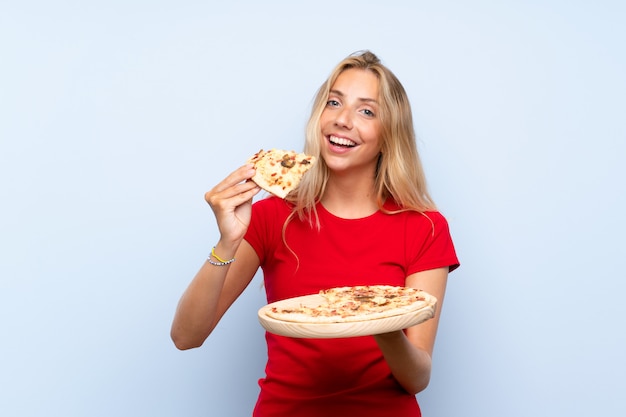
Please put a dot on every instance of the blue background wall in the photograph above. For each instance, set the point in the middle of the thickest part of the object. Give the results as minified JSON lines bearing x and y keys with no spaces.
{"x":117,"y":116}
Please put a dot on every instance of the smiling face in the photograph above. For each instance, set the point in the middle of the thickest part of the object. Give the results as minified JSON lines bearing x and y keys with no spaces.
{"x":350,"y":123}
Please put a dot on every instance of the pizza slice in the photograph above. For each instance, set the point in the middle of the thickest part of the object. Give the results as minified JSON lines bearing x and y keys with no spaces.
{"x":279,"y":171}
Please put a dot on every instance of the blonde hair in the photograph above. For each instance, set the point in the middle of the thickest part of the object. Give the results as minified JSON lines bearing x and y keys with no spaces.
{"x":399,"y":175}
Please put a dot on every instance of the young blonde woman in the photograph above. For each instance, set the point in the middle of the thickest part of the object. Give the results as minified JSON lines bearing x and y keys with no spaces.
{"x":361,"y":216}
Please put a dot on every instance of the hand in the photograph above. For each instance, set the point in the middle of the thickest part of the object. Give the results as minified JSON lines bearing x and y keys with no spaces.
{"x":231,"y":202}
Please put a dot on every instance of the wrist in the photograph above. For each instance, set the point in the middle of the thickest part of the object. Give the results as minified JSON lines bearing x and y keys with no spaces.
{"x":223,"y":251}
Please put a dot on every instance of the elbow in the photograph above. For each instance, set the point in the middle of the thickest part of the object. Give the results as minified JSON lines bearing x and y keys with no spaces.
{"x":183,"y":342}
{"x":187,"y":337}
{"x":421,"y":378}
{"x":417,"y":386}
{"x":418,"y":383}
{"x":185,"y":345}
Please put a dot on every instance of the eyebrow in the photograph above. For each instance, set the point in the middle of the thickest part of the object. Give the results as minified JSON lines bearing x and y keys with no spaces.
{"x":363,"y":99}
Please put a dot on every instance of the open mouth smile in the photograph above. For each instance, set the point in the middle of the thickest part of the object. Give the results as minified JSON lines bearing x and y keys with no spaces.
{"x":341,"y":142}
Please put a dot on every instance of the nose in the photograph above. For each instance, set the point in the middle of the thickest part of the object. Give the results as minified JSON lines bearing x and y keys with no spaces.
{"x":344,"y":118}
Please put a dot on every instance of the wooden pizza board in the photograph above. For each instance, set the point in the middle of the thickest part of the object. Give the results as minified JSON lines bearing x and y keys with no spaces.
{"x":336,"y":330}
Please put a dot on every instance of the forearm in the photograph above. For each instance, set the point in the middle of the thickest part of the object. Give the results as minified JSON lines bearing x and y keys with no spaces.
{"x":409,"y":352}
{"x":212,"y":292}
{"x":197,"y":311}
{"x":218,"y":284}
{"x":410,"y":365}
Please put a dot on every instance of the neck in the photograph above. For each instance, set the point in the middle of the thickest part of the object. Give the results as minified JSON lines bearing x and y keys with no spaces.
{"x":350,"y":198}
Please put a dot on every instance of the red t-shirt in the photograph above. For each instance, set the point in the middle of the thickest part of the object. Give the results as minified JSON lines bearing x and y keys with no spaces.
{"x":333,"y":377}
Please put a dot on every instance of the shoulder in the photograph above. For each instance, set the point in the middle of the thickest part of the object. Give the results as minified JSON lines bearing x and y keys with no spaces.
{"x":430,"y":224}
{"x":432,"y":218}
{"x":272,"y":203}
{"x":435,"y":217}
{"x":268,"y":216}
{"x":271,"y":207}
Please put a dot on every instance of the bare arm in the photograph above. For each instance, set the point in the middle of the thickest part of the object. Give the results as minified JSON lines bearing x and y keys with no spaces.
{"x":214,"y":288}
{"x":409,"y":354}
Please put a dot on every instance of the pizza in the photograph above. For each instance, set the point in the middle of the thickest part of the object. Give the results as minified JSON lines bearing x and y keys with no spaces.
{"x":352,"y":304}
{"x":279,"y":171}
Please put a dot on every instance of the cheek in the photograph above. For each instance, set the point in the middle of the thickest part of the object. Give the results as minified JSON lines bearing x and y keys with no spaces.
{"x":324,"y":119}
{"x":374,"y":132}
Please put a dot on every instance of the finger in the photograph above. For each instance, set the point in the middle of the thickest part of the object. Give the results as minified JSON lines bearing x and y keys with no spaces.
{"x":249,"y":196}
{"x":214,"y":196}
{"x":228,"y":200}
{"x":242,"y":193}
{"x":241,"y":174}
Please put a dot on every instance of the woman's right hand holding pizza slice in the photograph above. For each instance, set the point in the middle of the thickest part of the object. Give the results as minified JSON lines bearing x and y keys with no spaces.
{"x":199,"y":307}
{"x":231,"y":202}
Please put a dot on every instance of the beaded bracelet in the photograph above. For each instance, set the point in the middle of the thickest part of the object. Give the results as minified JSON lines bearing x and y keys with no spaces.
{"x":221,"y":262}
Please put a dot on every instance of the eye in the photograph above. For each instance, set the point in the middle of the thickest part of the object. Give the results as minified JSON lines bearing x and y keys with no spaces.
{"x":332,"y":103}
{"x":368,"y":112}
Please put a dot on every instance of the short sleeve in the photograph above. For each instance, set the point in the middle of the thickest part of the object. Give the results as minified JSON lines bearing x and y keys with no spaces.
{"x":265,"y":225}
{"x":429,"y":243}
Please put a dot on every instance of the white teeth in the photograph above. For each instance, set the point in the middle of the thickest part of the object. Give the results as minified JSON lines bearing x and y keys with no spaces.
{"x":341,"y":141}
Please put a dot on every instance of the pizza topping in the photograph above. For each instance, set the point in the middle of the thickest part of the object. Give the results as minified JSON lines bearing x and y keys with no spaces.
{"x":288,"y":161}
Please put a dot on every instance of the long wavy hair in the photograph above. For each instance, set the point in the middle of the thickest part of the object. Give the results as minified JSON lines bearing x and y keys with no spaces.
{"x":399,"y":175}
